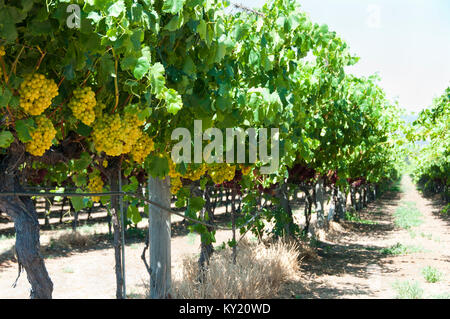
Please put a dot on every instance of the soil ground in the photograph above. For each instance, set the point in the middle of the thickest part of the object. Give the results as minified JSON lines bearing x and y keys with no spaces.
{"x":351,"y":263}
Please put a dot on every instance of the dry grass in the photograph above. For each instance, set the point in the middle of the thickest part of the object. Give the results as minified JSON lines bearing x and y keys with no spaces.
{"x":70,"y":240}
{"x":307,"y":252}
{"x":259,"y":272}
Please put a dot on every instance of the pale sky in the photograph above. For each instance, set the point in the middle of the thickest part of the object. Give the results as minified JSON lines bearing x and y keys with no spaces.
{"x":407,"y":42}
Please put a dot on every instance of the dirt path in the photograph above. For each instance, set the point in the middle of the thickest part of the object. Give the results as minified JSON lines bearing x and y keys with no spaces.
{"x":353,"y":265}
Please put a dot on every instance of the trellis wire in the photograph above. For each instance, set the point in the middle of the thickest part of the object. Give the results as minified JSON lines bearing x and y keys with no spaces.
{"x":140,"y":197}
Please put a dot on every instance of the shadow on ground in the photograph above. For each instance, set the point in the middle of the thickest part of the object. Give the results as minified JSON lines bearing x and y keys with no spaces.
{"x":344,"y":257}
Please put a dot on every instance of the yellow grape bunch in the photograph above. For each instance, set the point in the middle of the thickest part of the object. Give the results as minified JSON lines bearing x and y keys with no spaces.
{"x":36,"y":93}
{"x":132,"y":132}
{"x":142,"y":148}
{"x":95,"y":185}
{"x":83,"y":105}
{"x":41,"y":136}
{"x":115,"y":135}
{"x":245,"y":169}
{"x":221,"y":172}
{"x":194,"y":174}
{"x":172,"y":170}
{"x":175,"y":185}
{"x":106,"y":135}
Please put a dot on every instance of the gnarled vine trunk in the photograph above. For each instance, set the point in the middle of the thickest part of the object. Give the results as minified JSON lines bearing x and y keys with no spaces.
{"x":283,"y":196}
{"x":22,"y":211}
{"x":117,"y":232}
{"x":206,"y":248}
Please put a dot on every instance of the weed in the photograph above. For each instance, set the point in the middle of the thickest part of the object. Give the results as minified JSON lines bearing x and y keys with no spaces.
{"x":412,"y":234}
{"x":408,"y":290}
{"x":446,"y":210}
{"x":6,"y":237}
{"x":353,"y":217}
{"x":220,"y":247}
{"x":68,"y":270}
{"x":431,"y":274}
{"x":407,"y":217}
{"x":400,"y":249}
{"x":427,"y":236}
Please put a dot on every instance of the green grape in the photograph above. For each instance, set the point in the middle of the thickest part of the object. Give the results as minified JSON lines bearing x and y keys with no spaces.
{"x":36,"y":93}
{"x":142,"y":148}
{"x":175,"y":185}
{"x":42,"y":137}
{"x":83,"y":105}
{"x":114,"y":135}
{"x":246,"y":170}
{"x":95,"y":185}
{"x":221,"y":172}
{"x":194,"y":174}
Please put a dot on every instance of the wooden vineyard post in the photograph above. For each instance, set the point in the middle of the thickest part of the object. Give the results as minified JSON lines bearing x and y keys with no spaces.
{"x":159,"y":235}
{"x":319,"y":202}
{"x":122,"y":215}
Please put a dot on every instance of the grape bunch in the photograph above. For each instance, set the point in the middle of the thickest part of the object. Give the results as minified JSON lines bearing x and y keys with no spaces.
{"x":106,"y":135}
{"x":114,"y":135}
{"x":245,"y":169}
{"x":131,"y":131}
{"x":172,"y":170}
{"x":83,"y":104}
{"x":220,"y":172}
{"x":175,"y":185}
{"x":95,"y":185}
{"x":142,"y":148}
{"x":194,"y":174}
{"x":36,"y":93}
{"x":41,"y":136}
